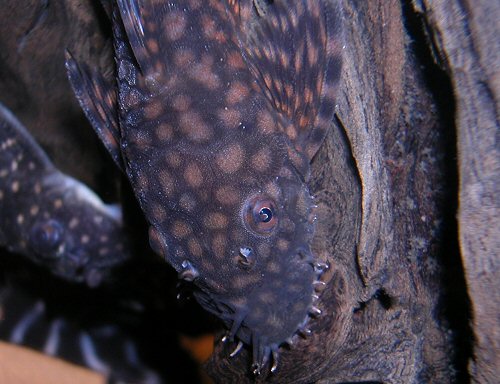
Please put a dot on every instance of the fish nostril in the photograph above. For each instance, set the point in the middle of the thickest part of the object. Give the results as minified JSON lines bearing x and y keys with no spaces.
{"x":246,"y":256}
{"x":79,"y":258}
{"x":305,"y":254}
{"x":189,"y":273}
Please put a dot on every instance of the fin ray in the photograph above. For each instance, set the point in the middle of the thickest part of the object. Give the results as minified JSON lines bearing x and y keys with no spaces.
{"x":293,"y":49}
{"x":132,"y":22}
{"x":99,"y":103}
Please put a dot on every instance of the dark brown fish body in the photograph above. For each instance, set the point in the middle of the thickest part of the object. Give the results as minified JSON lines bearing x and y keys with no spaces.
{"x":51,"y":218}
{"x":221,"y":106}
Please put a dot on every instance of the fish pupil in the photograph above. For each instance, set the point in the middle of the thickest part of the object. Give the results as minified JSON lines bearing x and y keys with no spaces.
{"x":266,"y":215}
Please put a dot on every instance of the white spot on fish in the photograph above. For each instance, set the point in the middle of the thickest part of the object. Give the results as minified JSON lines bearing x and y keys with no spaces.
{"x":73,"y":223}
{"x":34,"y":210}
{"x":15,"y":186}
{"x":7,"y":143}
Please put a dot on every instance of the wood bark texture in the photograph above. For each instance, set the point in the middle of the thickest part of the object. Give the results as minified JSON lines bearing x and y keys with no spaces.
{"x":406,"y":183}
{"x":34,"y":35}
{"x":465,"y":35}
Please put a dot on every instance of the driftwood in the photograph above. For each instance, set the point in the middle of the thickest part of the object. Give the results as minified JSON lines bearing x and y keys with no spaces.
{"x":418,"y":78}
{"x":405,"y":182}
{"x":465,"y":34}
{"x":34,"y":85}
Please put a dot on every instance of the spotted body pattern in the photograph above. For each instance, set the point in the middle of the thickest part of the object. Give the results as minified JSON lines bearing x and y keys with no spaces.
{"x":215,"y":114}
{"x":104,"y":347}
{"x":50,"y":217}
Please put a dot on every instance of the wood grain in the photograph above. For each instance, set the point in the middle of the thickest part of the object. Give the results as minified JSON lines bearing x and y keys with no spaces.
{"x":465,"y":34}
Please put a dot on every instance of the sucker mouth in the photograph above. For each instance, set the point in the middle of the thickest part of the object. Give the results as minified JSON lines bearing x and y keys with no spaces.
{"x":262,"y":355}
{"x":234,"y":318}
{"x":305,"y":254}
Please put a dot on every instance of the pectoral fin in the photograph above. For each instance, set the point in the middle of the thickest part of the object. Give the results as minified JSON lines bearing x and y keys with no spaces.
{"x":97,"y":97}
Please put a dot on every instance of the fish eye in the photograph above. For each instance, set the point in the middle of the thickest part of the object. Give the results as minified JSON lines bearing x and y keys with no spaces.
{"x":46,"y":237}
{"x":259,"y":214}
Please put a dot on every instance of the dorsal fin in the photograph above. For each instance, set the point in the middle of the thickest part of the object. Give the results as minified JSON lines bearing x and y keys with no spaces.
{"x":97,"y":97}
{"x":132,"y":19}
{"x":293,"y":48}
